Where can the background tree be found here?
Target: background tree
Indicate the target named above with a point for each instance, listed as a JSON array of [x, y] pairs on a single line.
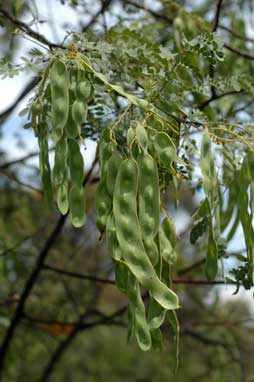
[[165, 75]]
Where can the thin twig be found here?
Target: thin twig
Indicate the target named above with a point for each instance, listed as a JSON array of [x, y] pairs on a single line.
[[27, 30]]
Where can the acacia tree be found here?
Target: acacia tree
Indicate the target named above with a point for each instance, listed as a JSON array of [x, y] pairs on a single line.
[[171, 116]]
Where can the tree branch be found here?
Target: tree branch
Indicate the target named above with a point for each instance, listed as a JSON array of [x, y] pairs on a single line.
[[63, 346], [217, 15], [22, 95], [77, 275], [215, 97], [32, 280], [235, 34], [156, 15], [105, 5], [239, 52], [27, 30]]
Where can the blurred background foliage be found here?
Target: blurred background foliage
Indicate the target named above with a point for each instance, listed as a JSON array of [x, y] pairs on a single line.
[[74, 324]]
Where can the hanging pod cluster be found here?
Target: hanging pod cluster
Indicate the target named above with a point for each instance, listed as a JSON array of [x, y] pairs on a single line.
[[70, 90], [128, 210]]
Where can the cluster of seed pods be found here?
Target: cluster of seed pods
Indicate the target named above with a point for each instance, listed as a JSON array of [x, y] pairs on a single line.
[[70, 91], [128, 205], [128, 210]]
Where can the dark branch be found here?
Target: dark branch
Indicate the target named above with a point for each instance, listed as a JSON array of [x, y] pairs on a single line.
[[28, 287], [105, 5], [79, 275], [239, 52], [215, 97], [27, 30], [217, 15], [21, 160], [22, 95], [13, 178], [156, 15], [63, 346], [235, 34]]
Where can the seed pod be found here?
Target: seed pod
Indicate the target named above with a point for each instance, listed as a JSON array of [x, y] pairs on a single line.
[[142, 137], [167, 235], [156, 314], [113, 245], [59, 99], [44, 163], [149, 204], [149, 197], [79, 112], [129, 235], [62, 197], [137, 307], [76, 163], [83, 88], [60, 166], [77, 205], [130, 136], [113, 165], [165, 149], [103, 203], [121, 276]]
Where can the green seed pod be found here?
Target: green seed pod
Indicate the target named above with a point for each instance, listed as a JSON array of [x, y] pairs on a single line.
[[149, 204], [106, 149], [151, 250], [76, 163], [113, 245], [77, 206], [60, 167], [167, 235], [156, 314], [149, 197], [83, 90], [62, 197], [103, 203], [79, 112], [72, 129], [142, 137], [59, 99], [130, 136], [137, 307], [121, 276], [44, 163], [113, 165], [129, 235], [165, 149]]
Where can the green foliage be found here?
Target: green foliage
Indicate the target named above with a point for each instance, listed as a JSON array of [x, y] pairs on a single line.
[[160, 96]]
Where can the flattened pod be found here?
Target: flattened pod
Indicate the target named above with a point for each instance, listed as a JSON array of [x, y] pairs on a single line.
[[129, 235], [76, 163], [167, 235], [165, 149], [44, 164], [112, 170], [77, 206], [149, 197], [142, 137], [113, 245], [137, 307], [62, 198], [103, 203], [121, 276], [59, 98], [72, 129], [156, 314], [79, 112]]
